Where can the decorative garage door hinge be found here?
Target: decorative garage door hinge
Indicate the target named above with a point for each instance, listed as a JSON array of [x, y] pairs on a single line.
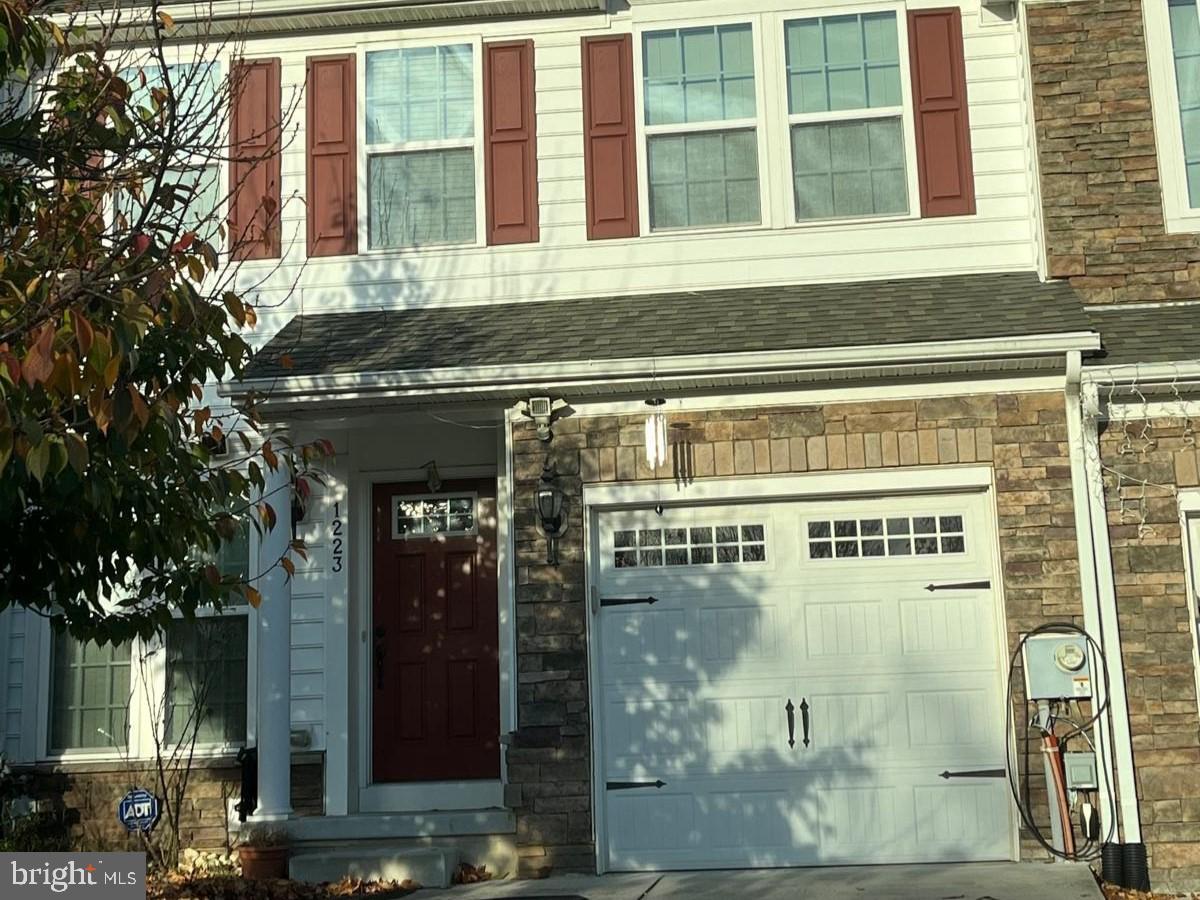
[[960, 586], [627, 601], [631, 785], [976, 773]]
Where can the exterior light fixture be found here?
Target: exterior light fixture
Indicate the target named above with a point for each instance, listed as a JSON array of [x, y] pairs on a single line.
[[551, 509]]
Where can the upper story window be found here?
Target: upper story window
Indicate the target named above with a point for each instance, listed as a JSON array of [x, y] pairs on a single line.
[[193, 178], [701, 126], [845, 111], [420, 146], [1185, 47]]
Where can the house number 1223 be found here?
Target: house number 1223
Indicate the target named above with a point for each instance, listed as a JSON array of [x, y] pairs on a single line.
[[336, 556]]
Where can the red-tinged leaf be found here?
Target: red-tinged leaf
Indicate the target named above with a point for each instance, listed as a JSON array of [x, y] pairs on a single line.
[[266, 512], [111, 371], [184, 242], [288, 566], [212, 575], [327, 446], [268, 454], [13, 366], [141, 243], [303, 489], [39, 359], [84, 334], [140, 410], [253, 597], [299, 549]]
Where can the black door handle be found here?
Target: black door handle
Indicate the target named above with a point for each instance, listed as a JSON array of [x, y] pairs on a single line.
[[791, 717], [804, 718], [380, 652]]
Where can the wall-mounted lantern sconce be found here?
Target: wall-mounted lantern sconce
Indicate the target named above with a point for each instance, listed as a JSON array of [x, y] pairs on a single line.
[[551, 509]]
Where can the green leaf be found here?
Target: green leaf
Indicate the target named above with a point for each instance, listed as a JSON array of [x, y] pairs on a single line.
[[37, 460]]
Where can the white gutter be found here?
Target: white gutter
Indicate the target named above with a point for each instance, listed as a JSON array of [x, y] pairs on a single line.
[[711, 365], [1100, 602], [1143, 373]]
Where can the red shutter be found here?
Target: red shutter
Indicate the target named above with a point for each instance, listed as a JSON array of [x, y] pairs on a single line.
[[939, 80], [609, 156], [254, 196], [332, 156], [510, 151]]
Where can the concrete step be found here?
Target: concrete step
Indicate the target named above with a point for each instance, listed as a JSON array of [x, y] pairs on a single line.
[[431, 867]]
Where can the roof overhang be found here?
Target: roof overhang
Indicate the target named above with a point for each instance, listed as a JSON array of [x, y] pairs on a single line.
[[600, 378], [223, 18]]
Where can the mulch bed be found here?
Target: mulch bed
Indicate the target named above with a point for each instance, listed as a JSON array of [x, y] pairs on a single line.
[[232, 887]]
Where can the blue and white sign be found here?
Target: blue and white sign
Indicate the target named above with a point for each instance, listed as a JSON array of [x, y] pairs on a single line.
[[138, 810]]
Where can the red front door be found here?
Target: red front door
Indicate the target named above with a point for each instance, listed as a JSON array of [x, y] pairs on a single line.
[[435, 667]]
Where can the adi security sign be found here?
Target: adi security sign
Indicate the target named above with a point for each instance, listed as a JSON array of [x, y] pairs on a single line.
[[138, 810]]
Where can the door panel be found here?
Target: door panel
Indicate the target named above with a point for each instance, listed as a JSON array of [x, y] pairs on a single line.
[[895, 682], [435, 666]]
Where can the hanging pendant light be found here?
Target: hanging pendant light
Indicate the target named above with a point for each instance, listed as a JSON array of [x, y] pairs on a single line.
[[656, 433]]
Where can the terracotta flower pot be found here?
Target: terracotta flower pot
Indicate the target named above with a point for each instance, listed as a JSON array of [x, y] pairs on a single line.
[[264, 862]]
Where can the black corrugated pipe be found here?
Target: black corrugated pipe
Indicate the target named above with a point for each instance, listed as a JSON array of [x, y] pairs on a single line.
[[1137, 872], [1112, 864]]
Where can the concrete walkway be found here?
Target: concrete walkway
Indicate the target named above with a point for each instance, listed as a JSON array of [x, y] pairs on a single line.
[[951, 881]]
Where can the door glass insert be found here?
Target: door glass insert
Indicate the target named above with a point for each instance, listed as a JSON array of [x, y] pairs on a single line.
[[415, 517], [698, 546], [884, 537]]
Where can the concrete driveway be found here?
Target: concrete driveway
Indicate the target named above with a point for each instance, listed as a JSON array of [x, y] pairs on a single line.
[[951, 881]]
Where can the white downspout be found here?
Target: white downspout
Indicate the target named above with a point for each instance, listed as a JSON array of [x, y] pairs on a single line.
[[1100, 602]]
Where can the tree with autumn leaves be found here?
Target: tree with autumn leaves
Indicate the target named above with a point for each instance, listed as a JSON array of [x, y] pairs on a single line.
[[121, 304]]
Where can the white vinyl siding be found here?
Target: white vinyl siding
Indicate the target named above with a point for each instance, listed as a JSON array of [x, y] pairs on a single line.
[[420, 146], [846, 116], [1185, 47], [89, 694], [701, 127]]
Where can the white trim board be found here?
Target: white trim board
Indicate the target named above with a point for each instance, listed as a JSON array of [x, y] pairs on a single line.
[[1189, 521], [920, 479]]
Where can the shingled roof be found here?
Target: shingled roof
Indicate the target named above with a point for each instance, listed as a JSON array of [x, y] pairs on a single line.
[[796, 317], [1139, 333]]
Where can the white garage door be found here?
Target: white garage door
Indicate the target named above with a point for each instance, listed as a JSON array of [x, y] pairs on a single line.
[[806, 622]]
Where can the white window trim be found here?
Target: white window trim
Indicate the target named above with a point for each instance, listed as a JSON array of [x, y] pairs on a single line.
[[772, 124], [1189, 520], [1178, 215], [644, 132], [908, 130], [476, 142]]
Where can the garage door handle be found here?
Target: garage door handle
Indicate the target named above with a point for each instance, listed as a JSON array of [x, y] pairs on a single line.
[[804, 718], [975, 773], [791, 717]]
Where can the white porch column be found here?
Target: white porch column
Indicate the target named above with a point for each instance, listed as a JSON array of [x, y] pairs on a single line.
[[274, 658]]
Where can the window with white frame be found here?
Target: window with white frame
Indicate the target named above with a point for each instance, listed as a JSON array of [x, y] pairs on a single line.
[[89, 694], [845, 111], [194, 174], [1184, 18], [206, 661], [701, 126], [206, 678], [420, 146]]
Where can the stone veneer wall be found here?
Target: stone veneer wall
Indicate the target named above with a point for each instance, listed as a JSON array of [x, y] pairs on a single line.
[[88, 794], [1156, 638], [1101, 194], [1023, 437]]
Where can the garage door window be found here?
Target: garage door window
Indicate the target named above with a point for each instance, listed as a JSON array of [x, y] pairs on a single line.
[[700, 545], [885, 537]]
